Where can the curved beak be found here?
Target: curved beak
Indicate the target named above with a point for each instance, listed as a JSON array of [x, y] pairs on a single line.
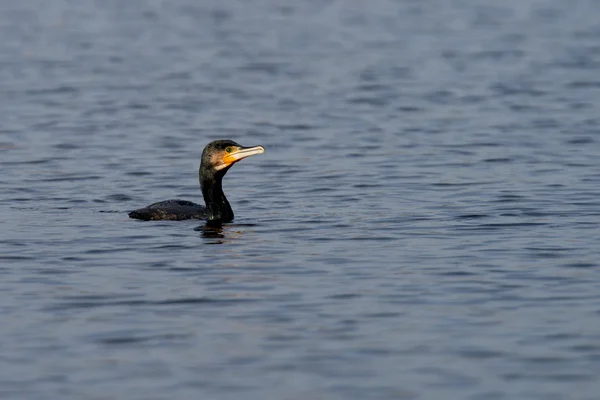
[[239, 153]]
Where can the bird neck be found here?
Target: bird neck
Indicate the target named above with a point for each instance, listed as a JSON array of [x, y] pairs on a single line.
[[218, 208]]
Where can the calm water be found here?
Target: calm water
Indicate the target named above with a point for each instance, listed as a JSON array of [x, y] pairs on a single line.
[[423, 225]]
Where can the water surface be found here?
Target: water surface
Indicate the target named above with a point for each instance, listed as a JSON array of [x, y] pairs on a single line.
[[422, 225]]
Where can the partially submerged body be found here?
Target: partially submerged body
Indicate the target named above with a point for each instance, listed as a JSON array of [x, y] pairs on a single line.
[[173, 210]]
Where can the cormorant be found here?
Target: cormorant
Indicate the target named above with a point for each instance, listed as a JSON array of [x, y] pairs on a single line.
[[218, 156]]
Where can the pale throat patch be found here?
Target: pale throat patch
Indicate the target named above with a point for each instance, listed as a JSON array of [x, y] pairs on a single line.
[[217, 161]]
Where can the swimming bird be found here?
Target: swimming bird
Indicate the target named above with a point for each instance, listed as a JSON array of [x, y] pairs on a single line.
[[217, 157]]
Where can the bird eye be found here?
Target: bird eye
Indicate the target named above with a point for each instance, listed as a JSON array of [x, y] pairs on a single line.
[[228, 149]]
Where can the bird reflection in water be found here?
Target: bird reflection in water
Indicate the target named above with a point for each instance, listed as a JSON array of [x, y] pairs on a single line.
[[222, 234]]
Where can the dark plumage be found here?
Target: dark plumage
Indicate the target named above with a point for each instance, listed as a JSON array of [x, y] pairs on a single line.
[[170, 210], [217, 158]]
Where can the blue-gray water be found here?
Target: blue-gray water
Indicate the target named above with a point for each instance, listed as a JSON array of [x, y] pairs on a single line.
[[424, 223]]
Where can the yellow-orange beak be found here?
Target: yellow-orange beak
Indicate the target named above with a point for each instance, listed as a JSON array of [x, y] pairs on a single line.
[[239, 153]]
